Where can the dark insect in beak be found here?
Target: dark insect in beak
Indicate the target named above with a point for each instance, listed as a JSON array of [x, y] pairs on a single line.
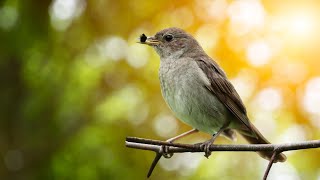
[[143, 38]]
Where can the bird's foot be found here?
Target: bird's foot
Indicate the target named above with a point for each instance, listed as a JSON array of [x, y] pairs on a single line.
[[205, 147]]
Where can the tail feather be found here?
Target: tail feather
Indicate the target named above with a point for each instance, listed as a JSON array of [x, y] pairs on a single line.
[[259, 139], [230, 134]]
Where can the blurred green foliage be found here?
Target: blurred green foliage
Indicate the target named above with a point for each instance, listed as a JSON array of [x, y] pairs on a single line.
[[74, 84]]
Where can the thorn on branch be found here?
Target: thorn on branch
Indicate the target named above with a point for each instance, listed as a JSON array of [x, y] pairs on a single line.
[[154, 163]]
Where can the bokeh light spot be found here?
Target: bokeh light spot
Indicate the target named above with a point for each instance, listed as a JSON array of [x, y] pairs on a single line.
[[286, 71], [139, 114], [269, 99], [62, 12], [14, 160], [8, 17], [295, 133], [138, 55], [301, 25], [207, 36], [113, 47], [119, 103], [165, 125], [64, 9], [244, 83], [181, 162], [245, 16], [258, 53], [311, 97], [218, 9], [182, 17], [92, 56], [265, 122]]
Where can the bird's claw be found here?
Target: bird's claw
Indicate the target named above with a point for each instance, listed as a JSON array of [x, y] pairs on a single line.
[[205, 147]]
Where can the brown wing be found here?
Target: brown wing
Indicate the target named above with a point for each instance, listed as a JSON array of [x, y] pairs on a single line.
[[224, 90]]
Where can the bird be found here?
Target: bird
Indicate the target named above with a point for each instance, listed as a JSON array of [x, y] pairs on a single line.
[[198, 92]]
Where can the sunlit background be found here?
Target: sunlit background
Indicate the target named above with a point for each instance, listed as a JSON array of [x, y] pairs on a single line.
[[74, 84]]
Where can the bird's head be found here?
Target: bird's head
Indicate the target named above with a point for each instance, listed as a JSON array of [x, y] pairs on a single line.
[[172, 42]]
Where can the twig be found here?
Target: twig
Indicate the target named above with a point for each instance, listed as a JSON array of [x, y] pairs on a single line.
[[155, 145], [275, 153], [138, 143]]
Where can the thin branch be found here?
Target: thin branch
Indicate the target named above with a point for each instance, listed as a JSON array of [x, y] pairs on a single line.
[[139, 143], [275, 153], [156, 146]]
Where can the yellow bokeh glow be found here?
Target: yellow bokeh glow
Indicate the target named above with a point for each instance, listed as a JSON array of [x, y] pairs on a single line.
[[301, 25], [259, 53], [246, 15], [311, 99]]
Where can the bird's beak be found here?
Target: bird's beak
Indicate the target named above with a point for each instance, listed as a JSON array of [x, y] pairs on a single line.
[[151, 41]]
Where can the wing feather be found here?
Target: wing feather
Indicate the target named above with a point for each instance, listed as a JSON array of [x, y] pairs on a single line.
[[222, 88]]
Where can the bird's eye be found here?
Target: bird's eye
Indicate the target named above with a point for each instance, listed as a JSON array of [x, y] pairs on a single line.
[[168, 37]]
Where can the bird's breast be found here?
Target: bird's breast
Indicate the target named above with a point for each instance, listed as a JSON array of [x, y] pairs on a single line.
[[183, 88]]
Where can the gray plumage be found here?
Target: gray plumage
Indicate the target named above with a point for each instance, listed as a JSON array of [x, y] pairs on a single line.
[[197, 90]]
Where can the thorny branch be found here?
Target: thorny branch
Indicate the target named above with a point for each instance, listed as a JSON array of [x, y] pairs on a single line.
[[155, 145]]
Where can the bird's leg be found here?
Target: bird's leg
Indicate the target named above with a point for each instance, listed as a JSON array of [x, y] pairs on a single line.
[[205, 146], [182, 135], [164, 149]]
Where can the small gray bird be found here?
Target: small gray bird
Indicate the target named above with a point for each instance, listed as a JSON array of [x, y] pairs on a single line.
[[198, 92]]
